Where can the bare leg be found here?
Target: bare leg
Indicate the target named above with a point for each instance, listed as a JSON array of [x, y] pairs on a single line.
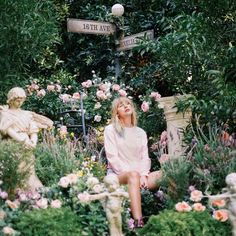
[[132, 178], [153, 178]]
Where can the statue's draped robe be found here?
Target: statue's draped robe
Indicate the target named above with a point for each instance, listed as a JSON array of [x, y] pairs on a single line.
[[24, 123]]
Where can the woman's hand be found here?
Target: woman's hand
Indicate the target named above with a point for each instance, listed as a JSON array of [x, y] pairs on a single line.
[[144, 182]]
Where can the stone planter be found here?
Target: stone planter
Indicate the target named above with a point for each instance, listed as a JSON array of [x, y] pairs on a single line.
[[176, 123]]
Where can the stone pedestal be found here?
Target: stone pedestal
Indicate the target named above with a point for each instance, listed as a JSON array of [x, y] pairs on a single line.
[[176, 123]]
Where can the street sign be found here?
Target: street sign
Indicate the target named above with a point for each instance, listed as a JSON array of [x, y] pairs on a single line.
[[131, 41], [89, 27]]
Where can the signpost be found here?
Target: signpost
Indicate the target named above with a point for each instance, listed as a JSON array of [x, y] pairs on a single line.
[[131, 41], [89, 27], [105, 28]]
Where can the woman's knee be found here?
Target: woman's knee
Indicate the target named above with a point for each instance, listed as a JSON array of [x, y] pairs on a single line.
[[133, 177]]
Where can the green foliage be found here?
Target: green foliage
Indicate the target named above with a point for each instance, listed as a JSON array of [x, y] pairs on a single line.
[[152, 202], [27, 28], [93, 219], [212, 159], [55, 159], [15, 163], [51, 222], [171, 223], [176, 179]]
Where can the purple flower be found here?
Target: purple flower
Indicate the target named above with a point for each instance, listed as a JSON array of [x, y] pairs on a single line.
[[160, 195], [191, 188], [131, 223]]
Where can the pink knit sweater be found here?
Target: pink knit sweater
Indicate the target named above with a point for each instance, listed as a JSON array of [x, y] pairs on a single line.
[[127, 152]]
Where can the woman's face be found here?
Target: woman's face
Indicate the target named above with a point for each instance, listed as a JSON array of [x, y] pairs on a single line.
[[124, 109], [17, 102]]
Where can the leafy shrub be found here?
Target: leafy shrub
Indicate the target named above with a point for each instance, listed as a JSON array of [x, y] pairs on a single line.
[[55, 159], [12, 155], [51, 222], [171, 223], [212, 159], [152, 202], [175, 179]]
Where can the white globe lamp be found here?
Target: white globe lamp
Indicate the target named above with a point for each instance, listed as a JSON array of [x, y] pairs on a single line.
[[117, 10]]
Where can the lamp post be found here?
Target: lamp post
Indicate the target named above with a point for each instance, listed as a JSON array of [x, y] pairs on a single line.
[[117, 10]]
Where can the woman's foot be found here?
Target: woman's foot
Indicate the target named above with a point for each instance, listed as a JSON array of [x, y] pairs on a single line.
[[138, 223]]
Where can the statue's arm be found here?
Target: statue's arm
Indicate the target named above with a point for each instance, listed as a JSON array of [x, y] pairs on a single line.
[[98, 196], [20, 137], [120, 193], [34, 139]]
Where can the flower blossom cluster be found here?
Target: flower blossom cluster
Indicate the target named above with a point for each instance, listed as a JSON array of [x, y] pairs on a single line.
[[196, 196]]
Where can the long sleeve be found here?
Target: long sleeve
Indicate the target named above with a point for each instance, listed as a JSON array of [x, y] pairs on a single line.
[[111, 149], [145, 160]]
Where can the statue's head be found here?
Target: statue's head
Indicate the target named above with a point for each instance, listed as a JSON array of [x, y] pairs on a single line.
[[111, 181], [15, 93], [231, 179]]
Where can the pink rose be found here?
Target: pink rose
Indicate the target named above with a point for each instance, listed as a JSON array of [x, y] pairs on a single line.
[[42, 203], [83, 197], [122, 92], [103, 87], [58, 87], [64, 182], [101, 95], [41, 93], [116, 87], [33, 87], [8, 230], [196, 196], [145, 106], [23, 197], [73, 178], [56, 204], [34, 195], [221, 215], [97, 118], [51, 87], [97, 105], [155, 95], [218, 203], [183, 207], [76, 96], [4, 195], [198, 207], [65, 97], [87, 84], [12, 205]]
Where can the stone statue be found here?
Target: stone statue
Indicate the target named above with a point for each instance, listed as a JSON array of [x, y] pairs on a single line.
[[112, 203], [22, 126], [230, 195]]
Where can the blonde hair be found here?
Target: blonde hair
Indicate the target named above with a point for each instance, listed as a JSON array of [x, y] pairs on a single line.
[[114, 117], [15, 93]]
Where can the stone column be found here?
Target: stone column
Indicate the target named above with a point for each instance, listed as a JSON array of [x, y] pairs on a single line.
[[176, 123]]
